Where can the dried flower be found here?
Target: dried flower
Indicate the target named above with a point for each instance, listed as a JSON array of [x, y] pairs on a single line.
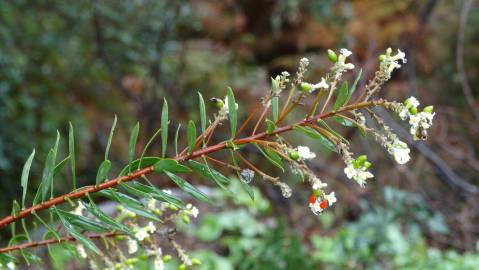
[[247, 175]]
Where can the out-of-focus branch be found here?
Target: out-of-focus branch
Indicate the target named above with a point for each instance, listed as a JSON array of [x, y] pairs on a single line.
[[466, 88]]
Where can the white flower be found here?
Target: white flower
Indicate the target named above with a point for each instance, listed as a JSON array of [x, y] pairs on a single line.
[[167, 191], [390, 62], [322, 84], [151, 204], [141, 234], [400, 151], [317, 184], [192, 210], [81, 251], [331, 198], [345, 52], [150, 228], [11, 266], [304, 153], [413, 102], [315, 208], [360, 175], [79, 209], [420, 122], [132, 245], [158, 263]]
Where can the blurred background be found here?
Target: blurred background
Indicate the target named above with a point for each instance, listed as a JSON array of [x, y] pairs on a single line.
[[85, 61]]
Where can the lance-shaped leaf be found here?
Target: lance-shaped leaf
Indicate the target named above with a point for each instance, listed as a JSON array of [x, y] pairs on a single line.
[[128, 202], [132, 143], [187, 187], [233, 117], [110, 138], [271, 157], [59, 166], [158, 194], [150, 141], [25, 174], [71, 151], [83, 222], [170, 165], [342, 96], [191, 136], [103, 171], [145, 162], [177, 134], [202, 112], [317, 136], [209, 173], [347, 123], [100, 215], [164, 127], [353, 87], [47, 178], [77, 235]]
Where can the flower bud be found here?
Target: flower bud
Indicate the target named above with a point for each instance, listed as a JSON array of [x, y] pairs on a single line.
[[413, 110], [195, 261], [131, 261], [332, 56], [367, 164], [361, 159], [186, 219], [172, 207], [294, 155], [382, 57], [182, 267], [306, 87], [217, 102], [428, 109], [167, 258]]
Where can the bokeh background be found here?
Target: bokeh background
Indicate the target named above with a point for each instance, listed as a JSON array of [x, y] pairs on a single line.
[[85, 61]]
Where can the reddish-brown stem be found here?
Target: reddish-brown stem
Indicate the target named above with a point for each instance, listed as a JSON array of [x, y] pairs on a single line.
[[180, 158], [55, 241]]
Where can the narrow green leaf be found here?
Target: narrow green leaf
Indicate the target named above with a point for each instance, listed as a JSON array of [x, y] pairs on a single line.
[[47, 178], [128, 202], [145, 162], [6, 258], [77, 235], [100, 215], [59, 166], [170, 165], [71, 151], [15, 210], [270, 126], [25, 174], [158, 194], [348, 123], [273, 159], [83, 222], [342, 96], [177, 134], [164, 127], [353, 87], [316, 135], [103, 171], [275, 108], [132, 143], [110, 138], [209, 173], [191, 136], [187, 187], [332, 131], [147, 146], [202, 112], [139, 210], [232, 112]]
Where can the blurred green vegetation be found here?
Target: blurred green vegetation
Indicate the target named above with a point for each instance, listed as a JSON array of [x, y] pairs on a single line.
[[85, 61]]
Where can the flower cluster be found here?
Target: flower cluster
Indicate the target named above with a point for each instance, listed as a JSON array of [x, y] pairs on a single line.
[[301, 153], [308, 87], [390, 62], [340, 65], [317, 204], [357, 170], [420, 121]]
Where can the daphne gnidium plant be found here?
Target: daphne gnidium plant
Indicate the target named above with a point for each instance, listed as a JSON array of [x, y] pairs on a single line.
[[145, 216]]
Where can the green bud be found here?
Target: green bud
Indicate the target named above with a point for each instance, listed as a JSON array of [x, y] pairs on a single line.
[[367, 164], [195, 261], [217, 102], [428, 109], [382, 57], [306, 87], [294, 155], [332, 56], [186, 219], [120, 237], [157, 212], [413, 110], [167, 258], [316, 192], [131, 261], [182, 267], [118, 266], [361, 159], [172, 207]]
